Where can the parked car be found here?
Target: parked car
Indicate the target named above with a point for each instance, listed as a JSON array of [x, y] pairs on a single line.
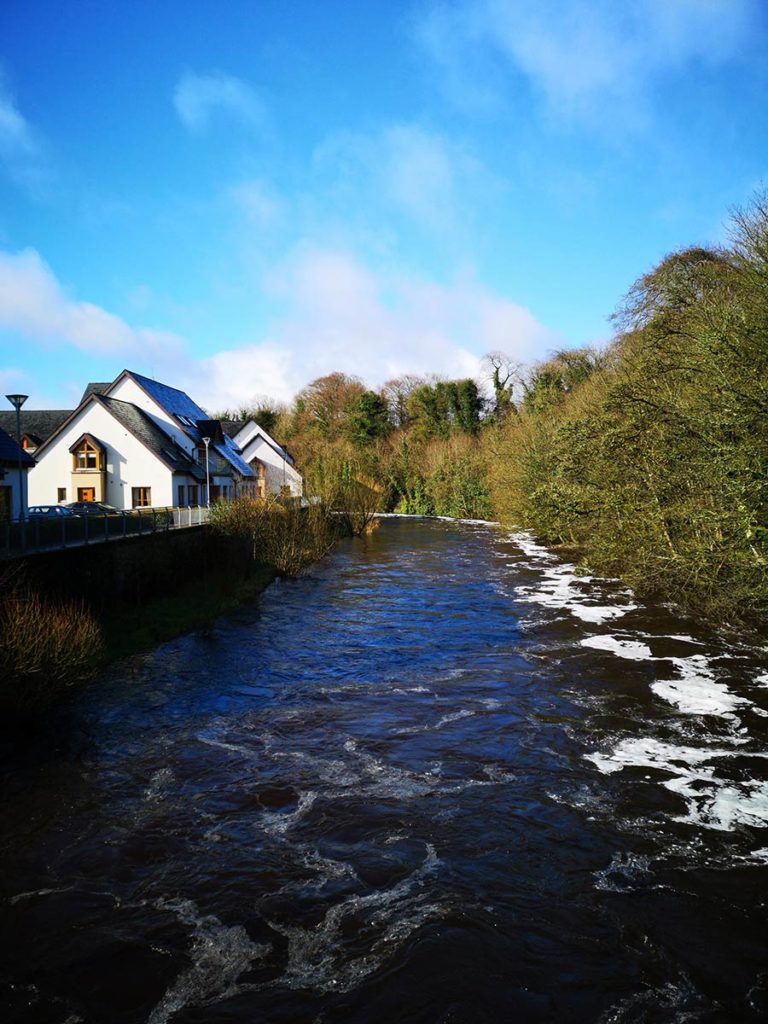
[[50, 512], [93, 508]]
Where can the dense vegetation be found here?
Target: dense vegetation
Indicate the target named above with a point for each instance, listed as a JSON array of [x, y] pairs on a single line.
[[649, 457]]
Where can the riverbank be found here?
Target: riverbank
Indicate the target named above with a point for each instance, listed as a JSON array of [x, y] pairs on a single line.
[[133, 629]]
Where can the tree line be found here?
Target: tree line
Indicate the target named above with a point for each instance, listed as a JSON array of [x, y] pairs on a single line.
[[648, 457]]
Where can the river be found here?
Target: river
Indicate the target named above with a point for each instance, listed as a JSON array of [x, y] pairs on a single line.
[[442, 778]]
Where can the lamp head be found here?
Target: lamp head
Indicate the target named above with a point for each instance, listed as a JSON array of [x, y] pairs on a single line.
[[17, 400]]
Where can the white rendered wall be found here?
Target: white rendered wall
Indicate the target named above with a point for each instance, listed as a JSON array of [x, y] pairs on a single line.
[[277, 471], [129, 463]]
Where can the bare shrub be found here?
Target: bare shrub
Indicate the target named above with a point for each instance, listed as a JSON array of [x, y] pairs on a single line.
[[285, 535]]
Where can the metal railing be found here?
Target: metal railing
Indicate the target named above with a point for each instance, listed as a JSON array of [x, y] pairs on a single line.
[[44, 534]]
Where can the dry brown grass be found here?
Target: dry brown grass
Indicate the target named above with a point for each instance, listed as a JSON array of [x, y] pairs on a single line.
[[46, 648]]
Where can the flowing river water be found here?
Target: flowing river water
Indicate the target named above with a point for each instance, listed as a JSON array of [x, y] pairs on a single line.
[[443, 778]]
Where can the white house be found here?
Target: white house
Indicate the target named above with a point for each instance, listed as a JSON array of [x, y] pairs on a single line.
[[272, 465], [137, 443], [13, 492]]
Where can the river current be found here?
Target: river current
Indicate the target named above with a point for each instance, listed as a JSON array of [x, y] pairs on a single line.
[[442, 778]]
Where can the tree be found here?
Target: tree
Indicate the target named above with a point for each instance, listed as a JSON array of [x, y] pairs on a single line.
[[368, 420], [504, 375]]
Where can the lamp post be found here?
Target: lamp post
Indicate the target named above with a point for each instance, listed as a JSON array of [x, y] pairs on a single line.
[[17, 401], [206, 442]]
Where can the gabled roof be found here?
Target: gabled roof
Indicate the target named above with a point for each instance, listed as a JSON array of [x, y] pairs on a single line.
[[36, 424], [9, 451], [94, 441], [188, 415], [233, 427]]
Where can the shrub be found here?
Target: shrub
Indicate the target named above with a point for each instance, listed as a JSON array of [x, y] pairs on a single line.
[[286, 536]]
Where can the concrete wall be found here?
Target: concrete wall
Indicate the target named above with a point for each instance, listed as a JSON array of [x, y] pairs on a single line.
[[137, 569]]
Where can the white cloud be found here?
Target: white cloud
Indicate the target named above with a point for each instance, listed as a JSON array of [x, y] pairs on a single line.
[[429, 177], [21, 150], [257, 202], [345, 317], [197, 97], [34, 304], [579, 56]]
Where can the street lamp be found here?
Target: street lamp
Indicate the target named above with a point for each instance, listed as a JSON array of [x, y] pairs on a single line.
[[17, 401], [206, 442]]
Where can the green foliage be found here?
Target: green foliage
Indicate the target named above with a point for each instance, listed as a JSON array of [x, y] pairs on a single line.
[[654, 458], [368, 420]]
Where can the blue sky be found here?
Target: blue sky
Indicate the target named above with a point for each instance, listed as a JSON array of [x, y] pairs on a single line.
[[237, 198]]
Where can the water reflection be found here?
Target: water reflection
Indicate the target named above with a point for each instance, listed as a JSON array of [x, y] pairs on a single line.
[[444, 778]]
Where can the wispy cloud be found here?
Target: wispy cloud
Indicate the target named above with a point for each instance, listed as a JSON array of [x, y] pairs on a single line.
[[22, 152], [578, 57], [34, 305], [197, 98], [345, 316], [428, 177]]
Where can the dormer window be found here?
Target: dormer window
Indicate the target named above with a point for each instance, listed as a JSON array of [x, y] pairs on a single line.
[[86, 456]]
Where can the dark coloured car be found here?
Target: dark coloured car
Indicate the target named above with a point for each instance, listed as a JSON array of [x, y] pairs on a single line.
[[93, 508], [50, 512]]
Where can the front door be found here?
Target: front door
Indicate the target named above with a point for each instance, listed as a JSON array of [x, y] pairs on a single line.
[[86, 494]]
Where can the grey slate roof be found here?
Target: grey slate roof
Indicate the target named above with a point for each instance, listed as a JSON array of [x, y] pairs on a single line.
[[95, 388], [9, 451], [37, 424], [182, 408], [147, 431]]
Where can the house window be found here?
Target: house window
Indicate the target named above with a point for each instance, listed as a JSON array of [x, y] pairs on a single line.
[[141, 497], [192, 491], [61, 494], [181, 495], [86, 456]]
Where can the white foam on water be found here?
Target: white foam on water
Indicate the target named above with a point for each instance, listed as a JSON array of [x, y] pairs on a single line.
[[157, 783], [711, 801], [19, 897], [633, 650], [528, 546], [696, 692], [317, 958], [561, 588], [453, 716], [625, 873], [276, 823], [647, 752], [762, 679], [219, 955], [598, 614]]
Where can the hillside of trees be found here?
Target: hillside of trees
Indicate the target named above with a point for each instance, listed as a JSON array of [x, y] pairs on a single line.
[[649, 457]]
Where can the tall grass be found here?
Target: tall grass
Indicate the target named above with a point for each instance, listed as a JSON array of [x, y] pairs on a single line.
[[46, 648]]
